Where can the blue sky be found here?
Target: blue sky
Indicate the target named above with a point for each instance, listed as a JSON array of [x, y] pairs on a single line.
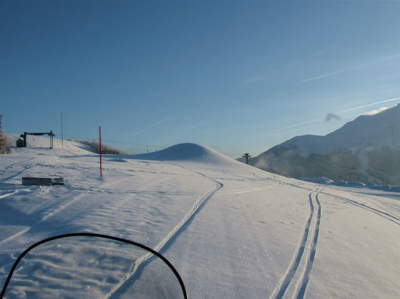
[[238, 76]]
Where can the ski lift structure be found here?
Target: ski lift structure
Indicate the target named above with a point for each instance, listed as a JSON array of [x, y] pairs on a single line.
[[22, 142]]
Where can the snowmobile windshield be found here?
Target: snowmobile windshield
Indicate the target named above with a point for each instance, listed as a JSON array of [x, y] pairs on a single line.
[[92, 266]]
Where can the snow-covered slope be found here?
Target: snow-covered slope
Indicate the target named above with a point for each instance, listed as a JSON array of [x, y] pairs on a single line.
[[366, 150], [231, 230], [188, 152], [366, 131]]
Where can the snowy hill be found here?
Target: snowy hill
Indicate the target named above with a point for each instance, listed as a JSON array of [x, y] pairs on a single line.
[[365, 150], [231, 230], [189, 152]]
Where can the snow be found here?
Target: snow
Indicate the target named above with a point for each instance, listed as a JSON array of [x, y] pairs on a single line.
[[363, 133], [231, 230], [365, 149]]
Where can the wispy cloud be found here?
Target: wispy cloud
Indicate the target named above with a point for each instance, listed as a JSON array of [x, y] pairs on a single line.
[[152, 126], [249, 81], [288, 66], [301, 126], [371, 104], [291, 127], [294, 63], [221, 114], [324, 76], [310, 123], [355, 67], [197, 125], [244, 83]]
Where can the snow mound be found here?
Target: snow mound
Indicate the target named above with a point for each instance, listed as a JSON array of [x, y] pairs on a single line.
[[187, 152]]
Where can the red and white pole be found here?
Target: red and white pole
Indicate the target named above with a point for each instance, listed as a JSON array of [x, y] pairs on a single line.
[[100, 149]]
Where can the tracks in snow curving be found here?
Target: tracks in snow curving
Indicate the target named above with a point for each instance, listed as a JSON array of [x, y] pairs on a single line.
[[307, 244], [181, 226], [43, 219], [378, 212], [302, 286], [52, 212]]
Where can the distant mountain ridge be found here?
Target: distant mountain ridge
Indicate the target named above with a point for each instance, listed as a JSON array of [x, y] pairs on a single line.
[[366, 150]]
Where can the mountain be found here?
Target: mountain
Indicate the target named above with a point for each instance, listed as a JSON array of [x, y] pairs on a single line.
[[366, 150]]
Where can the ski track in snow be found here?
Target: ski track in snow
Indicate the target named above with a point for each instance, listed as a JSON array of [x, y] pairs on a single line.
[[382, 204], [43, 219], [10, 166], [3, 180], [176, 230], [301, 288], [180, 226], [380, 213], [256, 178], [298, 267], [308, 238], [9, 194], [53, 211]]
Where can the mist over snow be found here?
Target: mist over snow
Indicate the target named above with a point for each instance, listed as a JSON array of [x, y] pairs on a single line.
[[231, 230], [365, 150]]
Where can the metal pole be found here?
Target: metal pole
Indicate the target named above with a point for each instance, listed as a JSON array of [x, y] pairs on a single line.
[[101, 163]]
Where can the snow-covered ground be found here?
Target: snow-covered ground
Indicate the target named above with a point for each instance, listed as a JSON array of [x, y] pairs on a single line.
[[231, 230]]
